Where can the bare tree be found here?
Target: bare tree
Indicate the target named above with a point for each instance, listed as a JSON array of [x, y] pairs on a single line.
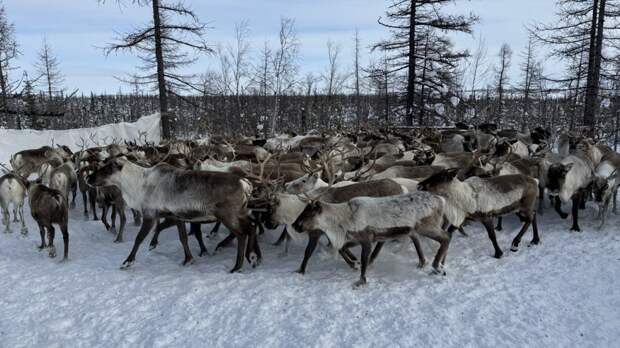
[[285, 67], [356, 76], [529, 69], [165, 45], [8, 52], [48, 68], [505, 59]]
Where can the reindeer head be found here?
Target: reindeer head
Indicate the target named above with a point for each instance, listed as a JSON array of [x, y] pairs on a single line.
[[308, 219], [557, 176], [303, 184], [437, 181], [107, 174]]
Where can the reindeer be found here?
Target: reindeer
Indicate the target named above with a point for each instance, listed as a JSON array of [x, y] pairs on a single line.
[[284, 208], [605, 184], [185, 195], [568, 180], [482, 199], [28, 161], [377, 219], [64, 179], [49, 206], [111, 196], [12, 192]]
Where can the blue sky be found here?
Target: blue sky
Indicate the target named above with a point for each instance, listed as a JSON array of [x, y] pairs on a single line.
[[77, 29]]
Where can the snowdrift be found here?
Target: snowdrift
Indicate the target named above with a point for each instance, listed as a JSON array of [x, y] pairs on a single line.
[[12, 140]]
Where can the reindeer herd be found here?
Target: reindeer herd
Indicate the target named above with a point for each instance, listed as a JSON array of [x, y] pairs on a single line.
[[355, 189]]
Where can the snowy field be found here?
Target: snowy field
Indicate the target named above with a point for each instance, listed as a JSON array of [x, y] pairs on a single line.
[[564, 292]]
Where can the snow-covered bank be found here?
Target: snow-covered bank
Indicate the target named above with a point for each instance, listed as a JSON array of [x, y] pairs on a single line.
[[564, 292], [12, 140]]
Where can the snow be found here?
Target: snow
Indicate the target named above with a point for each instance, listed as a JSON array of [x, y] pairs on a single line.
[[564, 292]]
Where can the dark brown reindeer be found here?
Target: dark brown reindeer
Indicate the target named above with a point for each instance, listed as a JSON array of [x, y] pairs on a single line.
[[185, 195], [48, 207]]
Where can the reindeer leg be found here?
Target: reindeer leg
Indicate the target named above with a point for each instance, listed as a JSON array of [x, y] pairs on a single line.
[[168, 222], [517, 239], [419, 250], [15, 214], [225, 242], [42, 232], [104, 217], [488, 224], [536, 238], [584, 197], [313, 240], [252, 255], [147, 226], [119, 235], [541, 199], [92, 196], [557, 204], [74, 193], [499, 224], [65, 240], [345, 254], [85, 199], [137, 218], [214, 230], [366, 246], [194, 227], [375, 252], [21, 216], [615, 210], [440, 257], [183, 238], [282, 237], [113, 227], [576, 202], [6, 219], [50, 237]]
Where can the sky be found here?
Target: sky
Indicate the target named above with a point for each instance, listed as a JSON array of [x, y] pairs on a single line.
[[78, 29]]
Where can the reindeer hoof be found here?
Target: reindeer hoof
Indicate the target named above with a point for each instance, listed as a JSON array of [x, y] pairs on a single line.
[[438, 271], [52, 252], [575, 229], [564, 216], [235, 270], [514, 248], [356, 265], [120, 240], [300, 271], [360, 284], [203, 252], [112, 229], [534, 242], [422, 264], [499, 254], [127, 264], [189, 261], [152, 246], [253, 259]]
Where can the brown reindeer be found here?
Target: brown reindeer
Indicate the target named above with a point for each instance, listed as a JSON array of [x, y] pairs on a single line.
[[49, 206]]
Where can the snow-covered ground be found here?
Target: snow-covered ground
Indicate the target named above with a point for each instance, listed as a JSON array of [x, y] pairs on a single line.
[[564, 292]]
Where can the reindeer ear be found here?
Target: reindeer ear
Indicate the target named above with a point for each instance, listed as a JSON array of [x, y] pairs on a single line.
[[452, 172]]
